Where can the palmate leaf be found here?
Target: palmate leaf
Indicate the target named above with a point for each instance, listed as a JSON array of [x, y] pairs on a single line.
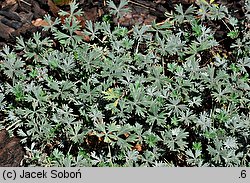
[[204, 122], [124, 145], [101, 127], [181, 15], [194, 158], [151, 138], [68, 86], [187, 117], [76, 132], [95, 114], [243, 63], [140, 33], [68, 63], [195, 101], [92, 29], [61, 36], [13, 67], [221, 95], [120, 10], [108, 131], [131, 157], [156, 115], [175, 106], [175, 139], [113, 128], [218, 13], [54, 85], [111, 94], [231, 143], [159, 119], [88, 93], [64, 115], [174, 45], [229, 155], [38, 94]]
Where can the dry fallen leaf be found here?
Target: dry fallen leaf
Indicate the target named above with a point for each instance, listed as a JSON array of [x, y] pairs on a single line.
[[8, 3], [85, 37], [39, 22], [138, 147], [126, 135]]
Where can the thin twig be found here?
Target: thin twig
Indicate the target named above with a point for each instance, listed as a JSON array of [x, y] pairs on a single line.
[[158, 24], [19, 2], [142, 5]]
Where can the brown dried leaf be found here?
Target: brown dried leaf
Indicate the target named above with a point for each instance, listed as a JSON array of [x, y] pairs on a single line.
[[39, 22], [8, 3], [138, 147], [85, 37], [126, 135]]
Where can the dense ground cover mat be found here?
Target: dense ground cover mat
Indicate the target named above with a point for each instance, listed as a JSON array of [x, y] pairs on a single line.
[[173, 93]]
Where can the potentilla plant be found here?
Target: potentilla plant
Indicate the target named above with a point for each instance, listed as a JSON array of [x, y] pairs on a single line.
[[166, 94]]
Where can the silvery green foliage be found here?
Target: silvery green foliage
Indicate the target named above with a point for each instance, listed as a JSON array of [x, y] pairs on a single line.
[[149, 97]]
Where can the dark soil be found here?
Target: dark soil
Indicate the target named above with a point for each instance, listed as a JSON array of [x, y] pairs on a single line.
[[11, 152]]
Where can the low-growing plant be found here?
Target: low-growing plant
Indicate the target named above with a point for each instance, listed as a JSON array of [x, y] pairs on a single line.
[[157, 95]]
